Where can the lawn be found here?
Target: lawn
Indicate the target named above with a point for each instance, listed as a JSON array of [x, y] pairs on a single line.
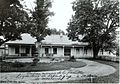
[[26, 67], [112, 78], [64, 65]]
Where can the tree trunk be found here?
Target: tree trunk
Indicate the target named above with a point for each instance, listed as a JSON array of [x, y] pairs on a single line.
[[96, 49]]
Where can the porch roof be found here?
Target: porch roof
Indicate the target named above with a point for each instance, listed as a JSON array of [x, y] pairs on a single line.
[[61, 40], [26, 39]]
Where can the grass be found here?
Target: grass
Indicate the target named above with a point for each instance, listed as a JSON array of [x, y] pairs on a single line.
[[112, 78], [26, 67]]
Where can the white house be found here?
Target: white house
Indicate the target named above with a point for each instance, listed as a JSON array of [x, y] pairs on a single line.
[[53, 45], [24, 47], [61, 46]]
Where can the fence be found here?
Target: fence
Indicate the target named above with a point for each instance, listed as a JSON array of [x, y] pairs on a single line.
[[110, 58]]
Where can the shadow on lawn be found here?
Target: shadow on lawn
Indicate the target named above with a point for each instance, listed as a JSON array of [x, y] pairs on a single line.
[[27, 67]]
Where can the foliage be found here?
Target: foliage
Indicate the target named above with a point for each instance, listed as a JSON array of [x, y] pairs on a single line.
[[97, 20], [57, 32], [39, 19], [12, 20], [117, 51], [35, 61], [72, 59], [18, 64]]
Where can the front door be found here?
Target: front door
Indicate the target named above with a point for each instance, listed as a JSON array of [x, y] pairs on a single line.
[[67, 51]]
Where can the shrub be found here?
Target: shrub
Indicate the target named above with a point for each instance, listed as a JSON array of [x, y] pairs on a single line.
[[18, 64], [35, 61], [72, 59]]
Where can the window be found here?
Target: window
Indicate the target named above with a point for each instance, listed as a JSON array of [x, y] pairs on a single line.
[[67, 51], [54, 50], [46, 51], [27, 50], [16, 50], [77, 49]]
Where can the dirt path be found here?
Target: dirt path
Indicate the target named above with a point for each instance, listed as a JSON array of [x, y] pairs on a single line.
[[93, 68]]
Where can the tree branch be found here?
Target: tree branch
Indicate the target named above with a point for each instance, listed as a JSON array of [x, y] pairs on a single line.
[[96, 5], [4, 41], [108, 23]]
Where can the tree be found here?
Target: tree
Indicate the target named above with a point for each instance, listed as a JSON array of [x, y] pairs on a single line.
[[97, 21], [117, 50], [39, 19], [57, 32], [12, 20]]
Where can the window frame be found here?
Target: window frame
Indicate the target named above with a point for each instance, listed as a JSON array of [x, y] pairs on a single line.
[[17, 51], [67, 51], [46, 50], [54, 50], [27, 50]]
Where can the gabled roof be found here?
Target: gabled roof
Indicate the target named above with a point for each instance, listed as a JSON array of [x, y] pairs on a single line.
[[48, 40], [60, 40], [26, 39]]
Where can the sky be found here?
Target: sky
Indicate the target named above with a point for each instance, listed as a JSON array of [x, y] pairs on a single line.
[[62, 10]]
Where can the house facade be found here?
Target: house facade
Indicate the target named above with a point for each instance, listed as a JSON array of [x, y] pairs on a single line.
[[51, 46], [61, 46], [24, 47]]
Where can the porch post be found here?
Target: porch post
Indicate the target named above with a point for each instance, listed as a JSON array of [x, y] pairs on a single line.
[[30, 50], [8, 50], [73, 51], [19, 50], [83, 51], [41, 51], [51, 50], [4, 50], [63, 51]]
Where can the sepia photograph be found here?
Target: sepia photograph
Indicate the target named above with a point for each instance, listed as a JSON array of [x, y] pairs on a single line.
[[59, 41]]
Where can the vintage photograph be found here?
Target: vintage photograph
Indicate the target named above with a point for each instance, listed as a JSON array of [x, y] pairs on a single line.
[[59, 41]]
